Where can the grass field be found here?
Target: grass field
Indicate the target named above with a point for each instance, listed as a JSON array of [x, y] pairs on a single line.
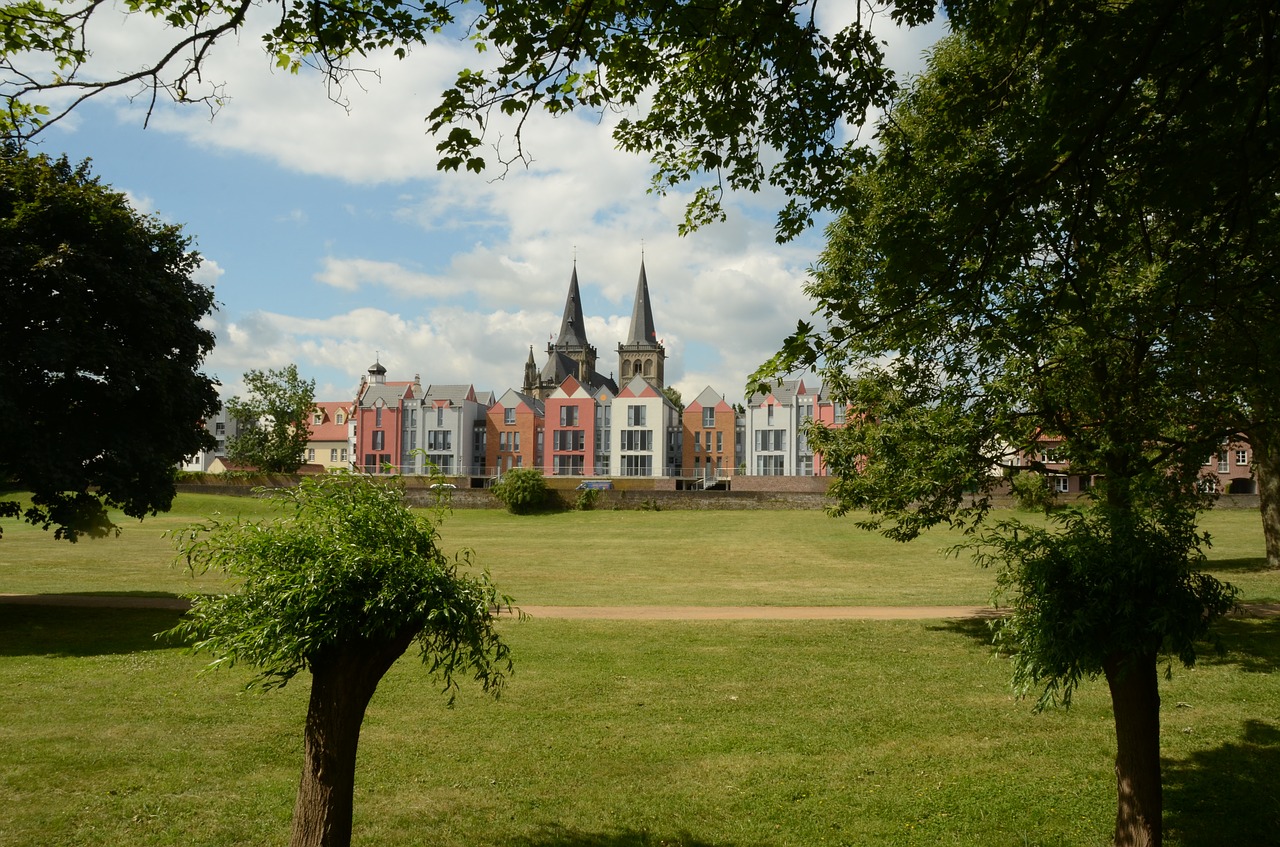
[[620, 558], [625, 734]]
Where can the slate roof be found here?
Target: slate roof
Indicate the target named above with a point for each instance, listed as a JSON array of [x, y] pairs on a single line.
[[642, 330]]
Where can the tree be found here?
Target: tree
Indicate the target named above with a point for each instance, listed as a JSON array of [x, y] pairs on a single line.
[[725, 84], [673, 394], [340, 584], [979, 294], [101, 394], [274, 417]]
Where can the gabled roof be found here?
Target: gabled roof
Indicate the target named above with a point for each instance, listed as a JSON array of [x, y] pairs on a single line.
[[391, 393], [514, 399], [330, 429], [638, 386], [709, 397], [452, 394]]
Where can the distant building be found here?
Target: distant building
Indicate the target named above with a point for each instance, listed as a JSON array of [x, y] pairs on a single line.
[[711, 448], [513, 433], [383, 411], [331, 427]]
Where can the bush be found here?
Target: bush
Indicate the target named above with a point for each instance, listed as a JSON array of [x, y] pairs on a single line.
[[1031, 491], [521, 490], [587, 499]]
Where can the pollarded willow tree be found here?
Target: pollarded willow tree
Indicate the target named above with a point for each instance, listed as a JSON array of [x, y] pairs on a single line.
[[340, 585], [985, 291]]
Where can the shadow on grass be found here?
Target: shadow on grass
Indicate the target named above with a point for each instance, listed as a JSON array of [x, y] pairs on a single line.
[[77, 631], [1252, 644], [1227, 795], [556, 836], [1246, 565], [977, 629]]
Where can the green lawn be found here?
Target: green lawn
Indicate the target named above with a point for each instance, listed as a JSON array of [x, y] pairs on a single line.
[[625, 734], [620, 558], [700, 734]]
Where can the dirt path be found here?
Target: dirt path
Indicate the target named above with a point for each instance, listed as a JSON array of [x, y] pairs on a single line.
[[626, 613]]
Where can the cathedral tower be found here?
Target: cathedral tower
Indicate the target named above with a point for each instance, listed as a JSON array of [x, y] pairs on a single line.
[[642, 354]]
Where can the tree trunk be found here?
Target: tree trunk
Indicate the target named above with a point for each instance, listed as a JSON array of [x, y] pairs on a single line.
[[343, 680], [1135, 700], [1266, 467]]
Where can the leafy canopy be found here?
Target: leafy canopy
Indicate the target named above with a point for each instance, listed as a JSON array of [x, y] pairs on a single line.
[[981, 294], [521, 490], [346, 561], [730, 93], [273, 419], [101, 394]]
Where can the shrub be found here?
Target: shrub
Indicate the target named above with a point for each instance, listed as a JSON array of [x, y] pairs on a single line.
[[1031, 491], [521, 490], [587, 499]]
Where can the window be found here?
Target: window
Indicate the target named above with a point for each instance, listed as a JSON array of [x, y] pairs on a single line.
[[343, 454], [773, 440], [769, 414], [439, 439], [804, 465], [709, 417], [1223, 465], [637, 439], [1242, 457], [839, 412], [502, 442], [370, 463], [333, 454], [317, 418], [311, 454], [806, 410], [442, 461], [769, 465], [219, 428], [568, 466], [377, 414], [637, 466], [635, 415], [440, 416], [340, 418], [1061, 484], [509, 416], [568, 439], [379, 440], [515, 442], [719, 442], [697, 441], [568, 416]]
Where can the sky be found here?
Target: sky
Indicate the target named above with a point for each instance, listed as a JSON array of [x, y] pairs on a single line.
[[332, 241]]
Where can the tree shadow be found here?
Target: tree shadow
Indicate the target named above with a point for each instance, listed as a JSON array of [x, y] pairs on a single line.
[[1227, 795], [1252, 644], [76, 631], [557, 836], [1241, 565], [976, 629]]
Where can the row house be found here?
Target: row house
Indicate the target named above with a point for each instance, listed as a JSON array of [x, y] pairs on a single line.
[[381, 411], [331, 427], [223, 428], [645, 437], [712, 438], [513, 433], [578, 421], [776, 444], [444, 431], [1228, 471]]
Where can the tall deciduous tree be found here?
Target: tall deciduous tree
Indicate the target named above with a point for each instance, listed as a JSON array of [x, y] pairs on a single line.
[[101, 394], [983, 293], [273, 418], [340, 585]]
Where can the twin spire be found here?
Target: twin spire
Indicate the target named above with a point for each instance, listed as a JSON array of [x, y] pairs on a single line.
[[573, 328]]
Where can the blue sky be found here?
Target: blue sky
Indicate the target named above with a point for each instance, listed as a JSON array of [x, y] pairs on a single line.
[[330, 238]]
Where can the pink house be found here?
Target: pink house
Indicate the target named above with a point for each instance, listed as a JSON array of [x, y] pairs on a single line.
[[572, 430], [380, 420]]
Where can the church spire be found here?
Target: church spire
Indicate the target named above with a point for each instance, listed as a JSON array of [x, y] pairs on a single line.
[[642, 330], [573, 329]]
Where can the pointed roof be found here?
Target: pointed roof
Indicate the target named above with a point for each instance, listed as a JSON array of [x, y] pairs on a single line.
[[573, 329], [642, 330], [709, 398]]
